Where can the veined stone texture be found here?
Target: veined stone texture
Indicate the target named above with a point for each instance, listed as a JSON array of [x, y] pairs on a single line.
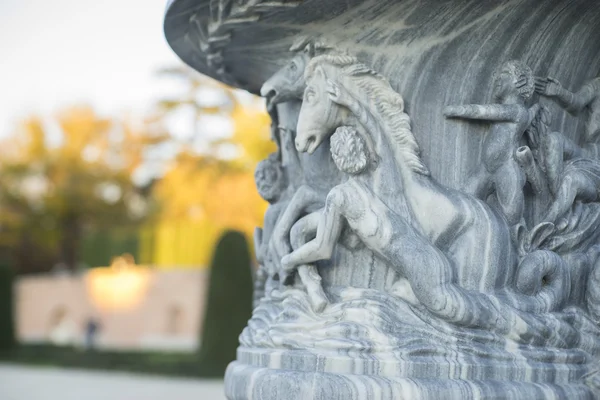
[[434, 228]]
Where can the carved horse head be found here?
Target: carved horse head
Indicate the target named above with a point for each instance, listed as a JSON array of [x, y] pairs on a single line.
[[288, 83], [342, 91], [320, 115]]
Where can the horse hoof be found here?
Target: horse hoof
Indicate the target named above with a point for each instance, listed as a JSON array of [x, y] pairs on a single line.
[[318, 301]]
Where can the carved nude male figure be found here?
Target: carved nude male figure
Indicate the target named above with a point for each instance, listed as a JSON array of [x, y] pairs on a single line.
[[573, 171], [513, 86], [586, 100]]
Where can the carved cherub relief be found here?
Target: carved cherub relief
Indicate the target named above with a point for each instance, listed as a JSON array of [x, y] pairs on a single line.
[[513, 87], [273, 186], [573, 171], [271, 183], [556, 146]]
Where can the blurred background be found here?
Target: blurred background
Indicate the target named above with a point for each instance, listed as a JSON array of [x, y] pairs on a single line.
[[127, 196]]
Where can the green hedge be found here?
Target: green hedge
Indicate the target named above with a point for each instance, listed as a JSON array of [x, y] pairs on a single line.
[[7, 326], [170, 364], [228, 308], [229, 303]]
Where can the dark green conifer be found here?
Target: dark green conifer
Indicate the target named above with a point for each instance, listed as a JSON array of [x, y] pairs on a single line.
[[229, 304], [7, 328]]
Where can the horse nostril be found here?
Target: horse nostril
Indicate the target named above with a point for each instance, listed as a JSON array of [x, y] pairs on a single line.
[[268, 93]]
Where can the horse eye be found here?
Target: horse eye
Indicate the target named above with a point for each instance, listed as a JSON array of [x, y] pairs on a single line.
[[293, 67]]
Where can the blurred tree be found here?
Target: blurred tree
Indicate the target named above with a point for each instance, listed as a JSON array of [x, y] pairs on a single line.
[[7, 327], [64, 176], [229, 304], [248, 139], [68, 181], [209, 187]]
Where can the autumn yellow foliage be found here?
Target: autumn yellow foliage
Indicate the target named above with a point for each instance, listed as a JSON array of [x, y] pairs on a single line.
[[201, 196], [64, 175], [72, 174]]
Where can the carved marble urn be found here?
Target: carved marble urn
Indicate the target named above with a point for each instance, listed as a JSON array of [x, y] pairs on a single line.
[[434, 227]]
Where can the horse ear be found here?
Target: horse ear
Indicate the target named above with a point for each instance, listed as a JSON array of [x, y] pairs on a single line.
[[333, 89], [319, 72]]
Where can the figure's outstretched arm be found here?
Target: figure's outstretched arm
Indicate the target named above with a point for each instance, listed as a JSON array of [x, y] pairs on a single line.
[[585, 96], [572, 102], [328, 233], [487, 112]]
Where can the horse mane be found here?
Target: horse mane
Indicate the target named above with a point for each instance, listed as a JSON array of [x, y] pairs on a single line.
[[386, 104], [310, 46]]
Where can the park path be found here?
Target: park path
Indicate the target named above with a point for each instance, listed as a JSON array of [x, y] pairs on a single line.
[[27, 383]]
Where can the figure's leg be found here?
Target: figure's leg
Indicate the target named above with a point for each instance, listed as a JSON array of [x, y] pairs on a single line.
[[557, 148], [508, 183], [478, 184], [572, 187], [302, 231], [571, 149]]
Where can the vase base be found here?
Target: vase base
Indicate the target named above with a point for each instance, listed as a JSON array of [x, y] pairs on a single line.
[[244, 382]]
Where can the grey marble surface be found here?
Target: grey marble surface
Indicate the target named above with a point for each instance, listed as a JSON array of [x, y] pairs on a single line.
[[434, 227]]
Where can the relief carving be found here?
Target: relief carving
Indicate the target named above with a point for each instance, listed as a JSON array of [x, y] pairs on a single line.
[[422, 239], [508, 268], [513, 87]]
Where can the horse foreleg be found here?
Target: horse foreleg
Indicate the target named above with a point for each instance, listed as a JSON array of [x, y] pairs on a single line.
[[302, 231], [509, 181], [279, 244], [328, 232]]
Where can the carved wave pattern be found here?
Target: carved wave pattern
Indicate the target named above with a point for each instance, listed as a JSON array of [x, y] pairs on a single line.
[[381, 325]]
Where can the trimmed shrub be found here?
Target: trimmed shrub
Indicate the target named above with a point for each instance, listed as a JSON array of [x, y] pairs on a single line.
[[229, 304], [7, 327]]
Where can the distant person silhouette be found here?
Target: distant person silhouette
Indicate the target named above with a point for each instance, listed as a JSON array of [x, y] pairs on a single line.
[[91, 331]]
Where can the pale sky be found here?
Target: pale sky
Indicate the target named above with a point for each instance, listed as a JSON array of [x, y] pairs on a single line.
[[56, 53]]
